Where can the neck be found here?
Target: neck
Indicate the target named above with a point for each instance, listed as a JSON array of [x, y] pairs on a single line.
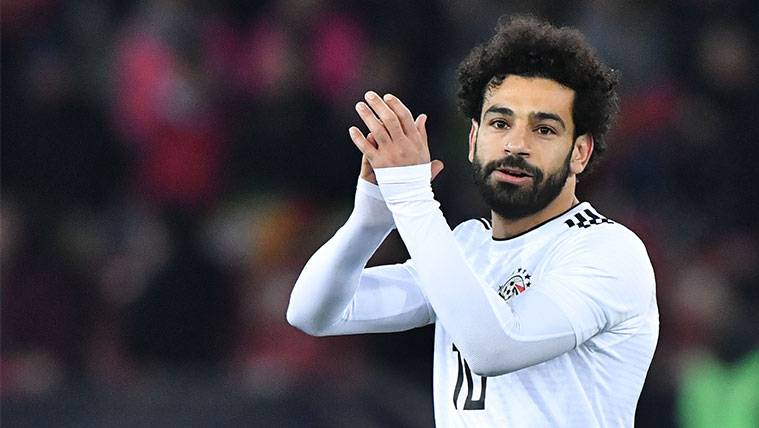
[[506, 228]]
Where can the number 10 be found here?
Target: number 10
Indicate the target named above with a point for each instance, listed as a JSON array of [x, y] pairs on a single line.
[[469, 404]]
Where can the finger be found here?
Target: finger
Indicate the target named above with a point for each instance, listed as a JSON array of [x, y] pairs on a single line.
[[370, 139], [367, 172], [402, 112], [421, 125], [360, 141], [385, 114], [376, 127], [436, 166]]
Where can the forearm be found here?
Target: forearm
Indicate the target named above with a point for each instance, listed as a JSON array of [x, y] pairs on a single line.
[[486, 331], [328, 282]]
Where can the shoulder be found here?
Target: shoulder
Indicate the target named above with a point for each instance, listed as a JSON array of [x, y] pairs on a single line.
[[474, 225], [602, 248], [605, 261], [589, 230], [473, 233]]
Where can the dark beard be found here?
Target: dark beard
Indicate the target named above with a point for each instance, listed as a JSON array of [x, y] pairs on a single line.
[[514, 202]]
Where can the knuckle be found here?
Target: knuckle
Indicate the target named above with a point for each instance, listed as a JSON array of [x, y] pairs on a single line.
[[382, 136], [391, 120]]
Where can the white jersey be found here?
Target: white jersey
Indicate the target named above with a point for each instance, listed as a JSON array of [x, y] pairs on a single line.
[[599, 381], [555, 327]]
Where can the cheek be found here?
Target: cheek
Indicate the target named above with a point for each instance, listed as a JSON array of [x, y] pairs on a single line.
[[562, 159], [485, 148], [557, 161], [548, 162], [484, 156]]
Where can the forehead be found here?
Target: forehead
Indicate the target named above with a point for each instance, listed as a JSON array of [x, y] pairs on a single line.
[[525, 95]]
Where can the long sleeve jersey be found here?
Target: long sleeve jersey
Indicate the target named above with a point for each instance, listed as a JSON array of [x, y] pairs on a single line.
[[554, 327]]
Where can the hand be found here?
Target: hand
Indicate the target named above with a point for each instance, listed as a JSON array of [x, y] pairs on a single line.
[[367, 172], [395, 138]]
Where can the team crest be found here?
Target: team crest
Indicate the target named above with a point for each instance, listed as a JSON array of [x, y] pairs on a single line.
[[515, 285]]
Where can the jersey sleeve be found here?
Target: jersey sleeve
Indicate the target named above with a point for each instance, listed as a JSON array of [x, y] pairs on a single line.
[[495, 337], [335, 294], [386, 300], [601, 280]]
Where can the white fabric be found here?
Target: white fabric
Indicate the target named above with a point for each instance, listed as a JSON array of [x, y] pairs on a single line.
[[571, 350], [334, 296]]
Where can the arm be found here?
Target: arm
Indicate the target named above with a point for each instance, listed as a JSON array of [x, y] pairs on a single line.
[[494, 336], [599, 281], [335, 295]]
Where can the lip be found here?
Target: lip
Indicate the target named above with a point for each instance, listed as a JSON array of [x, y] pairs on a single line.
[[504, 176], [515, 171]]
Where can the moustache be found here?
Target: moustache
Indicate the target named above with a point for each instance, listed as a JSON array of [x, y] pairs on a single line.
[[512, 161]]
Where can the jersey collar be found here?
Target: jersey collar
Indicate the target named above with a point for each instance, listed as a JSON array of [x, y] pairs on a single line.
[[547, 228]]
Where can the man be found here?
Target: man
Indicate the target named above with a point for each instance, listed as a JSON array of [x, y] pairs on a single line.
[[545, 315]]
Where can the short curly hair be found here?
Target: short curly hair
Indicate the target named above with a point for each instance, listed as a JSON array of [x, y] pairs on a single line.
[[525, 46]]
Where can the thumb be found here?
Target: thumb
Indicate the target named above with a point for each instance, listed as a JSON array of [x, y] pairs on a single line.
[[436, 166]]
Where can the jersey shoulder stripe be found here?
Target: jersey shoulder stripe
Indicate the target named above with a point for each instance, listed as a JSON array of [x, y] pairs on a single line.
[[485, 223], [587, 218], [474, 228]]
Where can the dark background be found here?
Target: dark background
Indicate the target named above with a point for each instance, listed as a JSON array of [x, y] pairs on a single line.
[[169, 166]]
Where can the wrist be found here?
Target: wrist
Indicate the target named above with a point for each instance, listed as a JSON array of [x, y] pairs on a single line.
[[404, 174], [369, 189], [369, 209], [406, 183]]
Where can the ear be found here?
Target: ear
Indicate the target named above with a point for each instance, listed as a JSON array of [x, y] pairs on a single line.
[[581, 153], [472, 139]]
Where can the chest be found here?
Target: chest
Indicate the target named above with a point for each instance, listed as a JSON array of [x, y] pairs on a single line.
[[508, 270]]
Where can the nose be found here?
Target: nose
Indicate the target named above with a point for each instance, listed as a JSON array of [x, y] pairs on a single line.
[[517, 141]]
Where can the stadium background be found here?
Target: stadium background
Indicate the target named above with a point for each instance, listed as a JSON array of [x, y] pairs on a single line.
[[168, 167]]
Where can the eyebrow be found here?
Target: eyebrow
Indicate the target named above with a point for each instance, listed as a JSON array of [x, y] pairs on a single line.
[[536, 115], [549, 116], [499, 110]]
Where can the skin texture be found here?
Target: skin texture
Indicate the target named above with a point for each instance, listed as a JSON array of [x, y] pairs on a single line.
[[394, 138], [530, 118], [531, 133]]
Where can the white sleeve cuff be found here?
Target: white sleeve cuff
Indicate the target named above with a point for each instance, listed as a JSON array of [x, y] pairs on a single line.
[[369, 189], [403, 174], [405, 183], [369, 208]]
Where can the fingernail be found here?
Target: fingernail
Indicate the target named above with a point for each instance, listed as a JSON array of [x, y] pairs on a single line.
[[388, 97], [360, 106], [371, 95]]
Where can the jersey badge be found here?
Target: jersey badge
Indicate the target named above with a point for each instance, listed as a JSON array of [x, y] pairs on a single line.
[[515, 285]]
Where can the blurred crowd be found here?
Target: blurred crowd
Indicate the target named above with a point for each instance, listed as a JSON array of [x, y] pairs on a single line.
[[168, 167]]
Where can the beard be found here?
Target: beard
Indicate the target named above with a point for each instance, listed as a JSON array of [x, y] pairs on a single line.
[[511, 201]]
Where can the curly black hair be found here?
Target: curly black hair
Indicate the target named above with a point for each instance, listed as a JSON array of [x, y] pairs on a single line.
[[528, 47]]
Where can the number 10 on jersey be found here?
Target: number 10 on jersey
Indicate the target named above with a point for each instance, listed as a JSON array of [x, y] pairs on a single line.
[[464, 371]]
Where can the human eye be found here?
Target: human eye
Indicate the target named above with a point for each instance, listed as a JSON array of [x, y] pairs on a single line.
[[499, 124], [545, 130]]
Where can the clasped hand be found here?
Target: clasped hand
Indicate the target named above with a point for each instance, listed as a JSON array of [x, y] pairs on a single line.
[[395, 138]]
